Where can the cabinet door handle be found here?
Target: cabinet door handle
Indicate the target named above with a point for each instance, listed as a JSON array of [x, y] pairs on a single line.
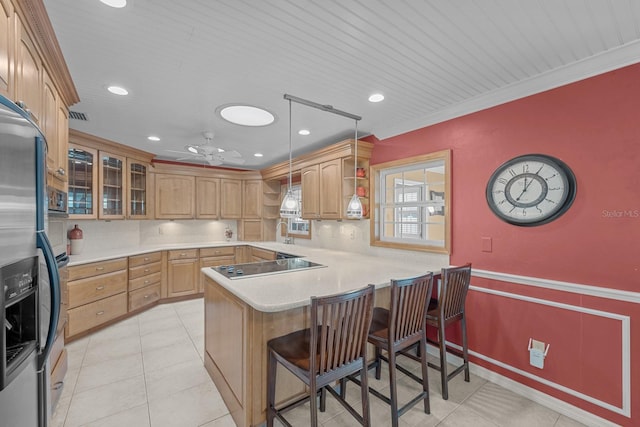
[[58, 385], [99, 268], [146, 296], [183, 254], [100, 313], [146, 282], [146, 258], [146, 270], [99, 288]]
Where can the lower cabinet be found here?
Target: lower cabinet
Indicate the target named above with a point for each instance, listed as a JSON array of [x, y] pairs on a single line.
[[97, 294], [145, 275], [211, 257], [183, 274], [259, 254]]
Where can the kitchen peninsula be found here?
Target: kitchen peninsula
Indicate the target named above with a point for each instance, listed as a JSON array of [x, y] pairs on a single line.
[[242, 314]]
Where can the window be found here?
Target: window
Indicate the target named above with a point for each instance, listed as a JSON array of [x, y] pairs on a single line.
[[298, 227], [411, 203]]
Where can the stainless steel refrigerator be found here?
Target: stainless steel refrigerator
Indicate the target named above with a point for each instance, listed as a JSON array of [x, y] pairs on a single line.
[[29, 278]]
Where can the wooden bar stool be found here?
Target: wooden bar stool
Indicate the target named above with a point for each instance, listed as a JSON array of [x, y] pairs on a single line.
[[447, 309], [396, 330], [335, 346]]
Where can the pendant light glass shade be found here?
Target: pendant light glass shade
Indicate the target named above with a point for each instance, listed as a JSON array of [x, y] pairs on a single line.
[[290, 208], [354, 208]]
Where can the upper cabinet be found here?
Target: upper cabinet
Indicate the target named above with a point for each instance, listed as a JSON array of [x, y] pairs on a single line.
[[329, 178], [252, 199], [175, 196], [111, 194], [106, 180], [230, 198], [6, 48], [207, 197], [28, 79], [139, 189]]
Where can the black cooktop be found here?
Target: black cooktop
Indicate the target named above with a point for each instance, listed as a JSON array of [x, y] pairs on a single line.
[[239, 271]]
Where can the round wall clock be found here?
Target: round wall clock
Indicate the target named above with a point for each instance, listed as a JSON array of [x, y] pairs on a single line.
[[531, 190]]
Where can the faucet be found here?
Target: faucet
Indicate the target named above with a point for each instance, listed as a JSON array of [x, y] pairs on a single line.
[[287, 239]]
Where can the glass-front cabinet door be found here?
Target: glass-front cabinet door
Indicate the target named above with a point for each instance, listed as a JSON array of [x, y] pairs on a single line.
[[138, 208], [83, 178], [112, 182]]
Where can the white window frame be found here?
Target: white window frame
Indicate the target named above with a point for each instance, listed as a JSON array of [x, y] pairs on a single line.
[[430, 207]]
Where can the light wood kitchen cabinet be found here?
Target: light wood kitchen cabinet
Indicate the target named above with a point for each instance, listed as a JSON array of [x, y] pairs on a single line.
[[145, 274], [49, 122], [207, 197], [175, 196], [259, 254], [183, 275], [230, 198], [211, 257], [252, 199], [111, 188], [82, 182], [139, 189], [60, 173], [97, 294], [321, 190], [28, 78], [6, 48], [310, 183]]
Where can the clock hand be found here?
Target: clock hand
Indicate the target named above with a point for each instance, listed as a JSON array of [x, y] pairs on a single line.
[[525, 188]]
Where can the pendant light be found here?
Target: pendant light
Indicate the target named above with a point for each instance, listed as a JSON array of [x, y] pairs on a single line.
[[354, 208], [290, 208]]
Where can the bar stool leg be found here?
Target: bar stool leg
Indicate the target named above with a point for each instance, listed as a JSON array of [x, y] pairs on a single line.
[[425, 373], [443, 361], [364, 394], [465, 348], [313, 401], [323, 399], [378, 364], [393, 388], [271, 388]]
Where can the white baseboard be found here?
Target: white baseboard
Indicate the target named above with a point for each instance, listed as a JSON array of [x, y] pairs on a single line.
[[560, 406]]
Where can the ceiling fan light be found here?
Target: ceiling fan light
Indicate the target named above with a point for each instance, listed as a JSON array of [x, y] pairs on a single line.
[[290, 208], [354, 209], [192, 149]]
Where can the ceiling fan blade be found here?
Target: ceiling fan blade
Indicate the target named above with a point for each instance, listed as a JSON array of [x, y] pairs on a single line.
[[175, 151], [232, 161], [214, 162], [230, 153]]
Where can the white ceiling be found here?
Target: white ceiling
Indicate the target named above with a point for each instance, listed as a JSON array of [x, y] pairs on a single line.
[[433, 60]]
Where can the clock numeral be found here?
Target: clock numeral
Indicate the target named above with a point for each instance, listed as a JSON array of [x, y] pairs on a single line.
[[524, 212], [555, 189], [539, 210], [525, 168], [498, 191], [551, 177], [550, 201], [512, 172], [502, 201], [502, 180]]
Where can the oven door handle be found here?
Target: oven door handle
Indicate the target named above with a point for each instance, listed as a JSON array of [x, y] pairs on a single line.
[[54, 281]]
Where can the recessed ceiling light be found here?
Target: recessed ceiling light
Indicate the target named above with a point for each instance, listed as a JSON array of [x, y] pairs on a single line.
[[376, 97], [258, 155], [117, 90], [304, 132], [153, 138], [247, 115], [115, 3]]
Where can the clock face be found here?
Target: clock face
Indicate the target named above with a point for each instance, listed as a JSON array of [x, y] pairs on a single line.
[[531, 190]]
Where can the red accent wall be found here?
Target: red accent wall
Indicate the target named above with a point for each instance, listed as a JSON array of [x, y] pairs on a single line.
[[594, 127]]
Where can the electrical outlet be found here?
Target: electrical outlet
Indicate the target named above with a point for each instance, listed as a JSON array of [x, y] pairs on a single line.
[[160, 230], [537, 353]]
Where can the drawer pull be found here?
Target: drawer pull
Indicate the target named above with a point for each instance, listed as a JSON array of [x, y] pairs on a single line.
[[99, 268], [147, 258], [147, 282], [146, 296], [183, 254], [58, 385], [100, 313], [146, 270], [99, 288]]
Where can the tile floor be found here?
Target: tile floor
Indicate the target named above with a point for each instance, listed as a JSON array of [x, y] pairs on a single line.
[[147, 371]]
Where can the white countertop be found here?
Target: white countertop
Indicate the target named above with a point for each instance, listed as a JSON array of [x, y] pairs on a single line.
[[345, 271]]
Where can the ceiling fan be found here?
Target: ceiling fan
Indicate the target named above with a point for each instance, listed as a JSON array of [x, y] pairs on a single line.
[[208, 152]]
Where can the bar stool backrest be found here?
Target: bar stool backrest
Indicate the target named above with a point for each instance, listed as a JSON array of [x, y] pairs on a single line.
[[455, 284], [409, 302], [340, 324]]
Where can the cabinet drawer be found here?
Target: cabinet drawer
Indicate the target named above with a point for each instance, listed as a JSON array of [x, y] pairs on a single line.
[[144, 270], [217, 260], [56, 350], [137, 260], [90, 315], [57, 378], [144, 296], [95, 268], [222, 251], [183, 254], [94, 288], [143, 281]]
